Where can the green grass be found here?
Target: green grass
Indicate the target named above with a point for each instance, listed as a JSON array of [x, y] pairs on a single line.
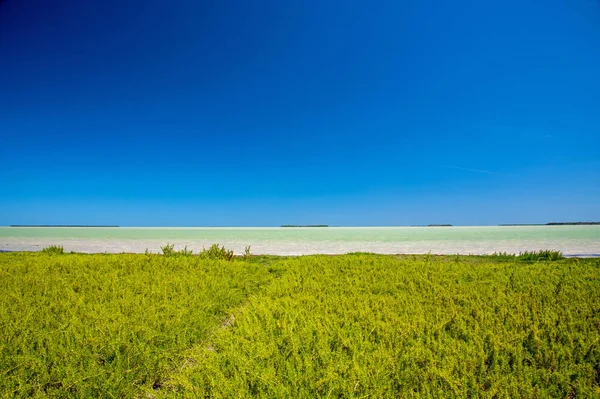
[[214, 252], [541, 255], [54, 249], [108, 325], [353, 326], [425, 326], [546, 255]]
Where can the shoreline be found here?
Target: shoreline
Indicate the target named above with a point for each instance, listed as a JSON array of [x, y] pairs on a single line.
[[572, 240], [569, 256]]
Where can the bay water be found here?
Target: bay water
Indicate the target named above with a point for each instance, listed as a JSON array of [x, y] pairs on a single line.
[[572, 240]]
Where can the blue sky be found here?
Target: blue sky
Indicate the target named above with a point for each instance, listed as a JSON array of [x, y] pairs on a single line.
[[264, 113]]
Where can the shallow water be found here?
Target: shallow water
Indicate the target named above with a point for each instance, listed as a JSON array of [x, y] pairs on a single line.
[[571, 240]]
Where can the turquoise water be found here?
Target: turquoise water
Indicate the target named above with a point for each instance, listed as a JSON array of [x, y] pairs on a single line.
[[572, 240]]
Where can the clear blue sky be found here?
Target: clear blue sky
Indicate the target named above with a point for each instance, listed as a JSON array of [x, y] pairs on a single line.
[[193, 113]]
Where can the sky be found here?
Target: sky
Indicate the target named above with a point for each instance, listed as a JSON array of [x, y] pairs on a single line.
[[262, 113]]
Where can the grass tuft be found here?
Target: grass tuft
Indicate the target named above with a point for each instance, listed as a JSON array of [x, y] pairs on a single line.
[[216, 252], [185, 252], [54, 249], [541, 255], [168, 249], [247, 254]]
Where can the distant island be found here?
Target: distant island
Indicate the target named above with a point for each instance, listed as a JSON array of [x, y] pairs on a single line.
[[553, 224], [571, 223], [57, 225], [307, 225], [439, 225], [521, 224]]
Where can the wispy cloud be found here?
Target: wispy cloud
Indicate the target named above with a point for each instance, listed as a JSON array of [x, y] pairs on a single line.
[[471, 170]]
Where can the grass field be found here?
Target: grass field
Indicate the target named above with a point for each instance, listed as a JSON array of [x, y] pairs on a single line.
[[353, 326], [108, 325]]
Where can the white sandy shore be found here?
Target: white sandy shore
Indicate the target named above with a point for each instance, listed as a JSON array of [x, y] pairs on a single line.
[[572, 247]]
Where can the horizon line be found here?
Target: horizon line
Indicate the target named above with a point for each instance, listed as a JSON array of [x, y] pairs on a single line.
[[306, 226]]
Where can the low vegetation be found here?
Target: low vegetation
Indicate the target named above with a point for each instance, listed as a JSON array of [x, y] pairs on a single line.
[[54, 249], [109, 325], [216, 252], [358, 325], [423, 326], [542, 255], [213, 252]]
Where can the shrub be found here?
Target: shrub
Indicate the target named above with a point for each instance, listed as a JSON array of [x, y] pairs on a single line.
[[216, 252], [530, 255], [168, 250], [54, 249], [541, 255], [185, 252], [247, 254]]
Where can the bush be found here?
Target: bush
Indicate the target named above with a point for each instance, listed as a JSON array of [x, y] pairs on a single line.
[[541, 255], [168, 250], [185, 252], [54, 249], [216, 252], [530, 255], [247, 254]]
